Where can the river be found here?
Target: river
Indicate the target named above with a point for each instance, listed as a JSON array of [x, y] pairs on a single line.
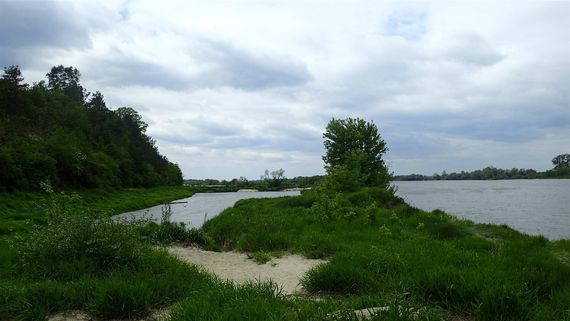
[[536, 207], [194, 211]]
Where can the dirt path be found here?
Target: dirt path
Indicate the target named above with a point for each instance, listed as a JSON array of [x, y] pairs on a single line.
[[286, 271]]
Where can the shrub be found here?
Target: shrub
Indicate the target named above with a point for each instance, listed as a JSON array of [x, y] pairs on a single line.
[[72, 241]]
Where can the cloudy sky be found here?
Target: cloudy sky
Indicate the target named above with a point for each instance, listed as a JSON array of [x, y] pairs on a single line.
[[230, 88]]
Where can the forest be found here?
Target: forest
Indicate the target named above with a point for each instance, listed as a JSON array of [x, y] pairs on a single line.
[[55, 132]]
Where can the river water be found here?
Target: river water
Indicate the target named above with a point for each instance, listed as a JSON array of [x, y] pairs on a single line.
[[536, 207], [194, 211]]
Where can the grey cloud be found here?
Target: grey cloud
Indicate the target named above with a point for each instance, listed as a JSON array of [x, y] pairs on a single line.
[[229, 67], [131, 71], [217, 135], [472, 49], [237, 68], [28, 27]]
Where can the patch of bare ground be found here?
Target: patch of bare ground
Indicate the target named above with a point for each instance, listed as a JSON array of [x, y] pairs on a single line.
[[285, 271]]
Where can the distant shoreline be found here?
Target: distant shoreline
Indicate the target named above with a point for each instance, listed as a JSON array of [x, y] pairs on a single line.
[[488, 174]]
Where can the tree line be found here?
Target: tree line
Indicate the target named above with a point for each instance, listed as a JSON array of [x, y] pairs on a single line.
[[274, 180], [561, 170], [57, 132]]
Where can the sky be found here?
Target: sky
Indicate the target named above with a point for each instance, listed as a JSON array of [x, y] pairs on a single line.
[[231, 88]]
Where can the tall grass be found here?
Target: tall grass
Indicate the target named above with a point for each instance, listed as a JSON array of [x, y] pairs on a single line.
[[414, 265], [20, 211], [378, 246], [77, 261]]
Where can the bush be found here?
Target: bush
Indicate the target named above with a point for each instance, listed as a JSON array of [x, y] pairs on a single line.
[[381, 196], [75, 242]]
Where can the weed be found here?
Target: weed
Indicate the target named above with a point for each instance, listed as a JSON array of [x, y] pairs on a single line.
[[260, 257]]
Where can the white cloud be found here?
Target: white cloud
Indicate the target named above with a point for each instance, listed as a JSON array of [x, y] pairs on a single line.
[[231, 89]]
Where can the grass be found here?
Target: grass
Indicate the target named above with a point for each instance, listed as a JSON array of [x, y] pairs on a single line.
[[260, 257], [19, 211], [416, 265], [378, 246]]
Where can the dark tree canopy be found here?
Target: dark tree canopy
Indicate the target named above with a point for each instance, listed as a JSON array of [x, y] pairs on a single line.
[[355, 145], [13, 75], [561, 161], [97, 102], [48, 133], [66, 79]]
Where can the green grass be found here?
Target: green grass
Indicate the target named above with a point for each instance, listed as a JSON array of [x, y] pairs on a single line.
[[417, 265], [19, 211], [260, 257], [378, 246]]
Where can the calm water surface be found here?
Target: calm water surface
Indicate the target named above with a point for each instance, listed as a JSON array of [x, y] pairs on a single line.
[[540, 206], [192, 211]]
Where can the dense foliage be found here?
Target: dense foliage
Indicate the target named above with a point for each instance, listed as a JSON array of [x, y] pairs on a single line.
[[265, 183], [354, 149], [58, 133], [561, 161]]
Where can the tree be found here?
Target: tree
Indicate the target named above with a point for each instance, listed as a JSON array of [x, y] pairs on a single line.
[[133, 118], [13, 76], [356, 145], [97, 102], [278, 176], [66, 79], [561, 161]]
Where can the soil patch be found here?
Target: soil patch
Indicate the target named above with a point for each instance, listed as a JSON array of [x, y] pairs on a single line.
[[286, 271]]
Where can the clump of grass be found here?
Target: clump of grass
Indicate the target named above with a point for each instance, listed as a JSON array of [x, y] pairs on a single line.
[[260, 257], [78, 244], [445, 230], [318, 246], [262, 240], [228, 301], [339, 276], [167, 233]]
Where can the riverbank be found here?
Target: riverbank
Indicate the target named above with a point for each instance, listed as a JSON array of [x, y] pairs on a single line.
[[20, 211], [535, 207], [380, 248], [382, 256]]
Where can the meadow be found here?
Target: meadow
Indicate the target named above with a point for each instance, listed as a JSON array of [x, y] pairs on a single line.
[[407, 263]]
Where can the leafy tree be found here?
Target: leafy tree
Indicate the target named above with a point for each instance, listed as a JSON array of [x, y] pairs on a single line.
[[13, 76], [97, 102], [66, 79], [130, 116], [561, 161], [48, 133], [356, 145], [278, 176]]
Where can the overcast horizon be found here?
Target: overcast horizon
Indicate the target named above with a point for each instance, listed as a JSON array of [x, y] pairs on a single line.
[[230, 89]]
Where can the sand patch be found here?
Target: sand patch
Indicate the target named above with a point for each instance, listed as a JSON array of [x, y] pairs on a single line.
[[76, 315], [286, 271]]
